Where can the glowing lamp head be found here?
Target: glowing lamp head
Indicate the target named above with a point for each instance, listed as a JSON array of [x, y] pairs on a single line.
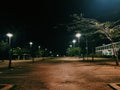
[[9, 35], [38, 46], [74, 41], [78, 35], [31, 43]]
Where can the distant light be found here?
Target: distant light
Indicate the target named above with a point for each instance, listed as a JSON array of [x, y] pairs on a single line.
[[31, 43], [45, 49], [39, 47], [103, 44], [57, 55], [70, 46], [74, 41], [50, 52]]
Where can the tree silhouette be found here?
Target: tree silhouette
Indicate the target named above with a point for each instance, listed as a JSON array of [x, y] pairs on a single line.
[[3, 49]]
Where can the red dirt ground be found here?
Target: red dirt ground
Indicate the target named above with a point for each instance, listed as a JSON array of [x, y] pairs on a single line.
[[62, 76]]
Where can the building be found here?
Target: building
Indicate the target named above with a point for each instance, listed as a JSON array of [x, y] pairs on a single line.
[[107, 49]]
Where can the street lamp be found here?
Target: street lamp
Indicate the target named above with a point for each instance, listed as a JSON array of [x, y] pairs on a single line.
[[39, 50], [74, 41], [70, 46], [50, 53], [9, 35], [78, 35], [39, 47], [31, 43]]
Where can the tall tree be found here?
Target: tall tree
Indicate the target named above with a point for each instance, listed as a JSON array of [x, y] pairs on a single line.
[[111, 31]]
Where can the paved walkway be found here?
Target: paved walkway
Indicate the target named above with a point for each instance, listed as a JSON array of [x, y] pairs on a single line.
[[61, 76]]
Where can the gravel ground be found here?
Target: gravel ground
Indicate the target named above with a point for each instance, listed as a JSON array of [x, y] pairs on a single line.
[[61, 75]]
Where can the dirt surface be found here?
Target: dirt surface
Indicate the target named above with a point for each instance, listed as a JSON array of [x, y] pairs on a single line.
[[59, 75]]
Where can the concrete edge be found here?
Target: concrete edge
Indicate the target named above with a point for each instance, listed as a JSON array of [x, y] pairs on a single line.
[[114, 86], [7, 86]]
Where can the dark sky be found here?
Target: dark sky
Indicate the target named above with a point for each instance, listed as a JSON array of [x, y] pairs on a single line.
[[35, 21]]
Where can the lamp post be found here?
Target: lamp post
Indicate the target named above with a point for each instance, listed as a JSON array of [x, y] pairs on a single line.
[[50, 53], [74, 41], [86, 48], [9, 35], [78, 35], [39, 50], [31, 43]]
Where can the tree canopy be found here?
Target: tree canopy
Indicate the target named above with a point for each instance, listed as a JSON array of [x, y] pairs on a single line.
[[89, 27]]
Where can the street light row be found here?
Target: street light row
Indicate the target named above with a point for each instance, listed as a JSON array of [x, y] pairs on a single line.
[[78, 35], [10, 35]]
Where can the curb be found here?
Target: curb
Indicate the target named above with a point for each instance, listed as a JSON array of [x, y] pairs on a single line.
[[6, 86], [114, 86]]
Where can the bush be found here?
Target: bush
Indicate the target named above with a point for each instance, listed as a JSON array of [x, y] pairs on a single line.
[[101, 56], [74, 51]]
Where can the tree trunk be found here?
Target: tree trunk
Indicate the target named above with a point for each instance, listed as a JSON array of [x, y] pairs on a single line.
[[115, 54], [83, 57], [92, 53], [18, 57], [23, 57], [33, 59], [92, 57]]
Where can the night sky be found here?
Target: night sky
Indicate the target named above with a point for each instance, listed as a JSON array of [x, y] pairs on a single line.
[[40, 22]]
